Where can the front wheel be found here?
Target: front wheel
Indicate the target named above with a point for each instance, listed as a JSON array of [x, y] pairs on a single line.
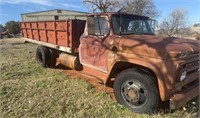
[[136, 91]]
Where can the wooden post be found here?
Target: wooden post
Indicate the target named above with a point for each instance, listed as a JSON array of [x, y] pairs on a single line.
[[26, 29], [67, 33], [45, 31], [31, 31], [56, 41], [38, 30]]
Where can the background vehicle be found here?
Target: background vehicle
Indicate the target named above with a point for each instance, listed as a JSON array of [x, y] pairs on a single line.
[[122, 49]]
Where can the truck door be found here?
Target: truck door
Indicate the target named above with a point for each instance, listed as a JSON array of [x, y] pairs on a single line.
[[93, 50]]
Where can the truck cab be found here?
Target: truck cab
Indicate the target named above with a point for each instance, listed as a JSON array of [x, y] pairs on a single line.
[[145, 68], [102, 34]]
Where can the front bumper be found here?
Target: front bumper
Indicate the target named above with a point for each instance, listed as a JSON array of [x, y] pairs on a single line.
[[181, 98]]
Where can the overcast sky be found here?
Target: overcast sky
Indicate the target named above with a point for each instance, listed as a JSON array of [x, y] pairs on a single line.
[[11, 9]]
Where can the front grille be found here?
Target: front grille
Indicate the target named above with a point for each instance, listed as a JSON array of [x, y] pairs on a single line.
[[192, 64], [192, 67]]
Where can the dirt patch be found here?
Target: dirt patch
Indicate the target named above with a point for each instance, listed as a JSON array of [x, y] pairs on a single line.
[[97, 84]]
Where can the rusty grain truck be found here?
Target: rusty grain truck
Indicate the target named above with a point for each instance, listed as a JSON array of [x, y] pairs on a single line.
[[121, 49]]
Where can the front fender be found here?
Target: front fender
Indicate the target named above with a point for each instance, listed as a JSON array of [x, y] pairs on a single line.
[[159, 67]]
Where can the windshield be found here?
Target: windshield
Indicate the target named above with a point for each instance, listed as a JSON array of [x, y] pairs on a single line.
[[130, 24]]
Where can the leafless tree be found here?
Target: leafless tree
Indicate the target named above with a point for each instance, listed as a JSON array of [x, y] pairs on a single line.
[[101, 5], [140, 7], [174, 24]]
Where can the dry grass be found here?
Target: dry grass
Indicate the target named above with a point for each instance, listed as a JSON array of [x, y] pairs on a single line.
[[28, 90]]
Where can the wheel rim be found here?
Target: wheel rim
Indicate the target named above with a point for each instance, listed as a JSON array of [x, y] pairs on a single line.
[[134, 93]]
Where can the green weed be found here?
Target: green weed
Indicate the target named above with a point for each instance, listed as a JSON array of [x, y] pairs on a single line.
[[28, 90]]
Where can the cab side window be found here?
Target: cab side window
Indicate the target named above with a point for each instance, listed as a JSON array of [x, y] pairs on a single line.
[[98, 26]]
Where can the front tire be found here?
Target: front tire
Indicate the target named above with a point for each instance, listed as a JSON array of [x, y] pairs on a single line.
[[136, 90]]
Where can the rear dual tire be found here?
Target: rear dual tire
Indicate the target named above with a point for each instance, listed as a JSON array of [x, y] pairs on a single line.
[[53, 56], [46, 57]]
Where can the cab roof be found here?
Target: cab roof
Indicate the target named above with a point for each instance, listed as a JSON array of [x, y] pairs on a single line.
[[115, 13]]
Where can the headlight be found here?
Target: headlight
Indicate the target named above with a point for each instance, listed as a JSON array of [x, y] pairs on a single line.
[[183, 76]]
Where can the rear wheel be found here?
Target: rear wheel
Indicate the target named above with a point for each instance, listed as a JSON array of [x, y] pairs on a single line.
[[53, 56], [136, 91], [42, 56]]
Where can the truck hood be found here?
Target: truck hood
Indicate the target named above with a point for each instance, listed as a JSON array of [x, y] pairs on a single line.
[[158, 46]]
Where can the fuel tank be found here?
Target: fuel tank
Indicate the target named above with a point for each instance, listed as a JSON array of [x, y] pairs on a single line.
[[71, 61]]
